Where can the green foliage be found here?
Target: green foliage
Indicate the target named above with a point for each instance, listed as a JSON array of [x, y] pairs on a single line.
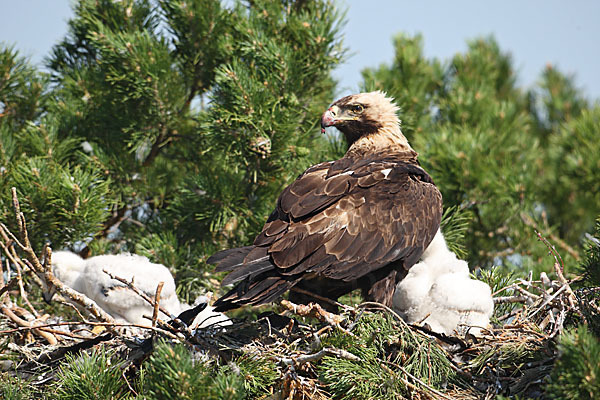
[[170, 126], [92, 376], [556, 100], [510, 356], [22, 90], [386, 349], [591, 264], [499, 278], [173, 374], [454, 225], [259, 374], [14, 388], [570, 182], [576, 374], [516, 161], [63, 201]]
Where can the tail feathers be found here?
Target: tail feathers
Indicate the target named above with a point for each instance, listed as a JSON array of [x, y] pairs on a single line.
[[262, 291], [228, 259], [244, 262], [249, 270]]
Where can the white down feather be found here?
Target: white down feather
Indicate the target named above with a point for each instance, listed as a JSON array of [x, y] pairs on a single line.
[[124, 305], [438, 291]]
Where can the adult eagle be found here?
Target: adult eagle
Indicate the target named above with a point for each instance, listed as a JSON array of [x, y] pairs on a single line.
[[359, 222]]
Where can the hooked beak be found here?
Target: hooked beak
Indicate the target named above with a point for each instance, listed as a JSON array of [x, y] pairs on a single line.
[[329, 117]]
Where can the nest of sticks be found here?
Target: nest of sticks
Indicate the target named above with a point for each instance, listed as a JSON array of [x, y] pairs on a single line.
[[513, 357]]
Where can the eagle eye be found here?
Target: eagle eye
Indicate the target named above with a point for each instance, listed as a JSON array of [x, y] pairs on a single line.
[[357, 108]]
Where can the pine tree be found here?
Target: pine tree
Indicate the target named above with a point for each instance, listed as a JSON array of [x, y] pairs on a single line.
[[167, 127]]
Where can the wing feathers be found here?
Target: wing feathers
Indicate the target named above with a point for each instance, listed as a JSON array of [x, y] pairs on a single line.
[[340, 220]]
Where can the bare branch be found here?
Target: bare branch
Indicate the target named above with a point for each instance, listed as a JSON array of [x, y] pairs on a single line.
[[156, 302], [50, 338], [327, 351]]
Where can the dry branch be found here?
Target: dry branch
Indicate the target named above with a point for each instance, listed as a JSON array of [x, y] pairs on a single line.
[[339, 353], [156, 303], [313, 310], [33, 326]]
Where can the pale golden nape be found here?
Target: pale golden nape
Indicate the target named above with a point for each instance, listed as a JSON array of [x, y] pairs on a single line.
[[382, 109]]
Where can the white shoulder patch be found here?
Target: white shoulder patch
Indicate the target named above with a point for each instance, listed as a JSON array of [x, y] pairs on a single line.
[[386, 172]]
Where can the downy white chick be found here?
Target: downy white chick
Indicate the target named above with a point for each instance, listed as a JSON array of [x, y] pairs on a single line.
[[438, 291], [88, 277]]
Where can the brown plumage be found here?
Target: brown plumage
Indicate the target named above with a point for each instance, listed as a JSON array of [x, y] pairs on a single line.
[[359, 222]]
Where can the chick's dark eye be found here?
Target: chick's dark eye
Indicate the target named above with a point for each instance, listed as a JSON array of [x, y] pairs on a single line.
[[357, 109]]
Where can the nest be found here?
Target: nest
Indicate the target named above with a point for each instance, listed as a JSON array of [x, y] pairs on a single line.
[[314, 353]]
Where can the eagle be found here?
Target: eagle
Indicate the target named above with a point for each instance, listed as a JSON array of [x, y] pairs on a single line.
[[360, 222]]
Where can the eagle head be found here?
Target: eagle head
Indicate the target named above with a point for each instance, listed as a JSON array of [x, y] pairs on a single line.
[[362, 114]]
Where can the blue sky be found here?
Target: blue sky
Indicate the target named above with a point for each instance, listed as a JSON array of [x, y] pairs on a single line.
[[536, 32]]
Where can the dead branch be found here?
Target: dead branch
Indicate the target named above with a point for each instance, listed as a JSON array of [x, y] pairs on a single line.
[[559, 268], [91, 323], [313, 310], [33, 326], [328, 351], [7, 287], [510, 299], [156, 302]]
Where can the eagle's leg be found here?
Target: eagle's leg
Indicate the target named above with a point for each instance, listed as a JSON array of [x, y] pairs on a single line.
[[382, 290], [326, 291]]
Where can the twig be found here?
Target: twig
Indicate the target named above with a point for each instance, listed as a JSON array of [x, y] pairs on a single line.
[[510, 299], [313, 310], [7, 287], [531, 223], [70, 305], [431, 389], [321, 298], [552, 250], [22, 291], [11, 256], [45, 271], [510, 314], [2, 287], [156, 302], [383, 306], [559, 268], [426, 386], [50, 338], [327, 351], [548, 300], [91, 323]]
